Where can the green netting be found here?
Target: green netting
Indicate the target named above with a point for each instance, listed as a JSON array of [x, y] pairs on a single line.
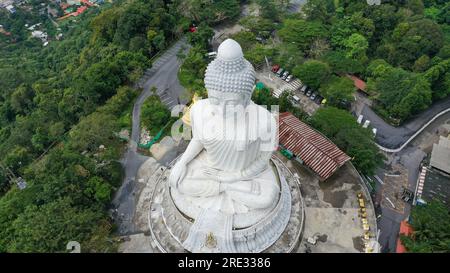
[[259, 85]]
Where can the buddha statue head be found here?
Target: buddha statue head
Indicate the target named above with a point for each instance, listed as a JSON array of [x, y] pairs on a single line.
[[230, 78]]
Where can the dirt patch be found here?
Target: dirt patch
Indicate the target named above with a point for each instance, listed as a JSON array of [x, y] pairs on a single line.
[[335, 198], [358, 243], [322, 238]]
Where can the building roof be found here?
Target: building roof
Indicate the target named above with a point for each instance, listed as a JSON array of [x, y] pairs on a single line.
[[405, 229], [316, 151], [360, 84], [440, 156], [436, 185]]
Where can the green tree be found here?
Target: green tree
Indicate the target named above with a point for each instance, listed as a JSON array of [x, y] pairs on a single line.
[[246, 39], [154, 114], [98, 188], [17, 158], [422, 64], [411, 40], [431, 225], [439, 78], [321, 10], [301, 33], [193, 69], [50, 227], [92, 131], [338, 92], [356, 46], [288, 55], [340, 64], [22, 99], [358, 142], [264, 97], [399, 92], [258, 53], [202, 36], [313, 73]]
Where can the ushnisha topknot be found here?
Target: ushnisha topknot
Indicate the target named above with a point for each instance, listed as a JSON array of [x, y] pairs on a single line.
[[230, 72]]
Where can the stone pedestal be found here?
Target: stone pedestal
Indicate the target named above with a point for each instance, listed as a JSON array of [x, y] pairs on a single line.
[[279, 231]]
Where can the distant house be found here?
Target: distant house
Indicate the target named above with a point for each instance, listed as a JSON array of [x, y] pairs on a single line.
[[359, 84], [11, 9], [407, 230], [310, 147], [40, 35], [3, 31], [5, 3], [73, 2]]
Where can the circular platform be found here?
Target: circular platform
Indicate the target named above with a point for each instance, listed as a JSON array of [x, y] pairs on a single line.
[[279, 232]]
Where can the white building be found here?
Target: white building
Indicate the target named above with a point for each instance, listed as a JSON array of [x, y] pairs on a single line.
[[40, 35], [11, 8], [440, 156], [5, 3]]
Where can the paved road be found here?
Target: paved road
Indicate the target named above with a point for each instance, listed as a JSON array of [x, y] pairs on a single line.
[[393, 137], [295, 5], [162, 75], [410, 158]]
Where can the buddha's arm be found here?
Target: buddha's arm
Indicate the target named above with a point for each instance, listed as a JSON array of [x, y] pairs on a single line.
[[192, 150], [179, 170], [258, 166]]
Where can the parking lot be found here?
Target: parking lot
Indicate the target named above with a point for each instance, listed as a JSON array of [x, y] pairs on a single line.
[[278, 85]]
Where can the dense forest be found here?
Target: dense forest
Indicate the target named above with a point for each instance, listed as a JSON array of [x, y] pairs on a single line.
[[401, 48], [60, 107]]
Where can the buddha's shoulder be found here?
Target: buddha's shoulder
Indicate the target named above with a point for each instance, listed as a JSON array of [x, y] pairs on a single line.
[[262, 117], [198, 105]]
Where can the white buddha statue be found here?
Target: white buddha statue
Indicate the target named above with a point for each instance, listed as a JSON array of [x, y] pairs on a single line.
[[224, 179]]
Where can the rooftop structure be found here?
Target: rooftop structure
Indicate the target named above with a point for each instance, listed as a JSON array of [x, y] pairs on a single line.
[[405, 229], [433, 184], [309, 146], [11, 8], [360, 84], [5, 3], [440, 156]]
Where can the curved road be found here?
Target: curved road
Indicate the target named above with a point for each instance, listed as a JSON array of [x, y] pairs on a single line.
[[162, 75], [392, 137]]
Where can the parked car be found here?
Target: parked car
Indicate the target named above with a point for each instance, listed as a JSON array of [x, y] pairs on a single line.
[[211, 55], [308, 93], [304, 89], [296, 99], [275, 68], [261, 40], [280, 72], [318, 99], [289, 78], [285, 75], [313, 96]]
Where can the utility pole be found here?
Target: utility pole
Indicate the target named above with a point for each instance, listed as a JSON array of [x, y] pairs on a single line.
[[268, 67], [21, 183]]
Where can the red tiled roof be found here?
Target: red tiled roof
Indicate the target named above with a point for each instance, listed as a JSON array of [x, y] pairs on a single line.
[[405, 229], [315, 150], [360, 84], [80, 10]]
